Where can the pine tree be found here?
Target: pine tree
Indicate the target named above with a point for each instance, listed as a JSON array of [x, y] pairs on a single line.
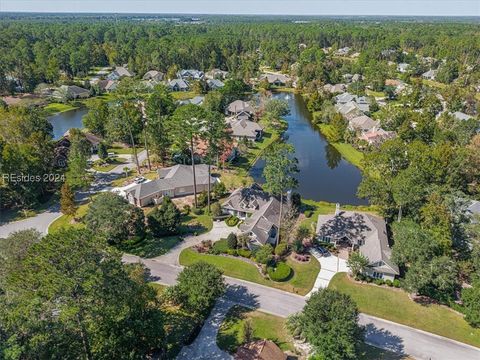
[[67, 200]]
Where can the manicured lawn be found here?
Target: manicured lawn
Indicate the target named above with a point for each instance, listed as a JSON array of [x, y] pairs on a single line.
[[434, 84], [112, 164], [369, 352], [54, 108], [183, 95], [233, 179], [123, 150], [348, 152], [374, 93], [301, 282], [395, 305], [64, 221], [265, 326], [151, 247]]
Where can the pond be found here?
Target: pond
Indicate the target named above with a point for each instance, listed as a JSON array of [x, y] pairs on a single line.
[[324, 174], [66, 120]]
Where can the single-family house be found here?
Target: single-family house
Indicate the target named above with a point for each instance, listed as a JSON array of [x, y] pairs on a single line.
[[178, 85], [154, 75], [241, 129], [215, 84], [461, 116], [345, 98], [349, 110], [275, 79], [363, 232], [107, 85], [260, 350], [241, 109], [120, 72], [362, 124], [430, 74], [72, 92], [92, 139], [175, 181], [197, 100], [335, 89], [403, 67], [190, 74], [376, 136], [216, 74], [343, 51], [260, 212]]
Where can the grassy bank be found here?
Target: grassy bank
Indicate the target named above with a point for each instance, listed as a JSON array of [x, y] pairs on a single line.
[[395, 305], [348, 152], [301, 282], [65, 221], [55, 108]]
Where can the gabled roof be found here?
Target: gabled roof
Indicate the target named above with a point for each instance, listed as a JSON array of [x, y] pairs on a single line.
[[122, 71], [262, 220], [244, 128], [239, 106], [191, 74], [345, 98], [248, 199], [215, 83], [366, 231], [260, 350], [274, 78], [153, 75], [363, 122], [180, 83]]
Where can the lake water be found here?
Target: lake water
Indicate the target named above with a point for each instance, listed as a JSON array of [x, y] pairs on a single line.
[[324, 174], [64, 121]]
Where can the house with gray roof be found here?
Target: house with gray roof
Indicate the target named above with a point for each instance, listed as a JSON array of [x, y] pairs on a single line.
[[345, 98], [349, 110], [215, 84], [240, 128], [430, 74], [363, 232], [175, 181], [403, 67], [362, 124], [154, 75], [461, 116], [238, 107], [335, 89], [191, 74], [120, 72], [275, 79], [197, 100], [72, 92], [260, 212], [216, 74], [178, 85]]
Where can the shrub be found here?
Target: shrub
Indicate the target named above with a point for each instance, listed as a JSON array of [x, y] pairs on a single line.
[[297, 246], [389, 282], [216, 210], [264, 254], [368, 279], [232, 252], [232, 220], [308, 213], [232, 241], [202, 199], [379, 282], [164, 220], [244, 253], [396, 283], [186, 209], [197, 211], [280, 272], [219, 190], [281, 249], [221, 246]]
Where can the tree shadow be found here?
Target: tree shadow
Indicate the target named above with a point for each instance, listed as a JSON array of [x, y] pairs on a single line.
[[239, 294], [383, 338]]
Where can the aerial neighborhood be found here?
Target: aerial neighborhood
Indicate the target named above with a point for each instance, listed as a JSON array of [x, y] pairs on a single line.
[[193, 188]]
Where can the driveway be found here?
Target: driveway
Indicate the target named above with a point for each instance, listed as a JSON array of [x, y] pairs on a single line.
[[219, 230], [205, 345], [329, 266]]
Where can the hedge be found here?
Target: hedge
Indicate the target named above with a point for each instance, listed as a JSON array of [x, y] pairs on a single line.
[[232, 220], [280, 272]]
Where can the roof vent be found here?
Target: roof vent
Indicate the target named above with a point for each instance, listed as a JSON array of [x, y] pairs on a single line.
[[337, 208]]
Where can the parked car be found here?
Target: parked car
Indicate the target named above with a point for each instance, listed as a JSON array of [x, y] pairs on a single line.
[[139, 180], [323, 251]]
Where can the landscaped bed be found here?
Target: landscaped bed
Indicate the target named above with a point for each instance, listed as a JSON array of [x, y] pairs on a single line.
[[395, 305], [301, 282]]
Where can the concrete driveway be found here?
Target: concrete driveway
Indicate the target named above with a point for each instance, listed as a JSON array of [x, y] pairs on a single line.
[[329, 266], [205, 345]]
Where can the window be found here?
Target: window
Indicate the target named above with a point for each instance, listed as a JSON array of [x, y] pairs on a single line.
[[377, 275], [326, 239]]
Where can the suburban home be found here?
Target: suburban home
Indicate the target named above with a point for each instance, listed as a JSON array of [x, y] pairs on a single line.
[[461, 116], [349, 110], [175, 181], [119, 72], [240, 109], [275, 79], [403, 67], [191, 75], [93, 140], [377, 136], [345, 98], [260, 212], [430, 74], [107, 85], [352, 78], [343, 51], [363, 232], [362, 124], [178, 85], [72, 92], [259, 350], [244, 129], [335, 89], [217, 74], [197, 100], [215, 84], [154, 75]]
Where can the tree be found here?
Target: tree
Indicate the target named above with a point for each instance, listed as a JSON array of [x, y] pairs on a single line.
[[71, 297], [232, 241], [67, 200], [164, 219], [112, 217], [247, 331], [264, 254], [78, 156], [277, 108], [279, 171], [471, 303], [102, 151], [187, 124], [357, 263], [216, 209], [339, 126], [198, 286], [329, 322], [97, 116]]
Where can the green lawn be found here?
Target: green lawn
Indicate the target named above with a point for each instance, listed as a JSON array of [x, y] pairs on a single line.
[[65, 221], [374, 93], [348, 152], [301, 282], [369, 352], [183, 95], [54, 108], [395, 305], [265, 326], [112, 164], [256, 150], [123, 150]]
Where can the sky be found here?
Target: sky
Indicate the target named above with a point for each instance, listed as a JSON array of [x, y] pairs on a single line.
[[276, 7]]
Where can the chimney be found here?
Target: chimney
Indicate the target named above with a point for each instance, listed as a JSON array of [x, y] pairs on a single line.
[[337, 208]]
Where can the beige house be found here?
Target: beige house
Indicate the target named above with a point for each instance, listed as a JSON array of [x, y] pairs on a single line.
[[175, 181]]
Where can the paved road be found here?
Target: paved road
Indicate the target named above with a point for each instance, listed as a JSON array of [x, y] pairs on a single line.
[[381, 333]]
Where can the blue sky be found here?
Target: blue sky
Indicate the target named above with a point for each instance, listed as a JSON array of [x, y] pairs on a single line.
[[290, 7]]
